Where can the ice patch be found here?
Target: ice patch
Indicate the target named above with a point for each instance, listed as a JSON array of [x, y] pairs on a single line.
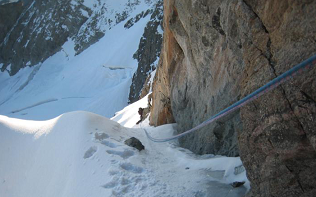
[[225, 190], [217, 174]]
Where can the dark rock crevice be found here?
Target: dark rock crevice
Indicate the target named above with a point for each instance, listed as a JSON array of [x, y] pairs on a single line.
[[299, 183], [292, 110], [216, 22], [257, 16], [308, 97], [9, 14]]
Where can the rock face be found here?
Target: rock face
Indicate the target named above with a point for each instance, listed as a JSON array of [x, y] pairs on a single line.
[[215, 53], [198, 75], [148, 50], [278, 145], [39, 32], [9, 13]]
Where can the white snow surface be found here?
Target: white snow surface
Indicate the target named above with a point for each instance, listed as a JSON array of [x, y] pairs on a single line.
[[129, 115], [83, 154]]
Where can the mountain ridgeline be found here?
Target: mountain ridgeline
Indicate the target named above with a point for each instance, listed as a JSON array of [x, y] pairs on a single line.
[[39, 32], [32, 31]]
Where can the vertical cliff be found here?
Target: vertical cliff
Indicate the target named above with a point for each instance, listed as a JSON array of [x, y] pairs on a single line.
[[216, 52]]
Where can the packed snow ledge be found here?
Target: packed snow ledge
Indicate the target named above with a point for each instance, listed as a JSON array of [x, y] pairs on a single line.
[[83, 154]]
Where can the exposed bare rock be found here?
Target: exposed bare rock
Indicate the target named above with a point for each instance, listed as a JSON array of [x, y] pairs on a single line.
[[9, 13], [149, 49], [39, 32], [43, 27], [278, 141], [134, 142], [198, 76], [216, 52], [146, 87]]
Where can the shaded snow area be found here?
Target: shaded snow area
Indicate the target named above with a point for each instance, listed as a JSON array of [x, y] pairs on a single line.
[[83, 154], [96, 80]]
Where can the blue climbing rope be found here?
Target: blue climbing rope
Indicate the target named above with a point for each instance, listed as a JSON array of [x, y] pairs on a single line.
[[305, 65]]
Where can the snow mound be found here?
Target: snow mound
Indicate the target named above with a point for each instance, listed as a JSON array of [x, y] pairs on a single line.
[[83, 154], [54, 157]]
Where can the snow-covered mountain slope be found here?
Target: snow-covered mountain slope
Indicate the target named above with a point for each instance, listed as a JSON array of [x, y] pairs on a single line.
[[45, 25], [96, 80], [83, 154]]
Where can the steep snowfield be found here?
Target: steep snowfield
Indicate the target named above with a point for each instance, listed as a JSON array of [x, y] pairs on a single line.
[[83, 154], [96, 80]]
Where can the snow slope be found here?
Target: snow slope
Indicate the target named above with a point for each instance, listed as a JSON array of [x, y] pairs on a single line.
[[96, 80], [83, 154]]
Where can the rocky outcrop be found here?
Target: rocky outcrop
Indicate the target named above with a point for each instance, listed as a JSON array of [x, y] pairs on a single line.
[[44, 26], [149, 49], [216, 52], [39, 32], [135, 143], [101, 18], [9, 13]]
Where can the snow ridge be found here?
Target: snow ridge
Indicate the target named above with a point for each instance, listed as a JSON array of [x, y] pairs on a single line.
[[83, 154]]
